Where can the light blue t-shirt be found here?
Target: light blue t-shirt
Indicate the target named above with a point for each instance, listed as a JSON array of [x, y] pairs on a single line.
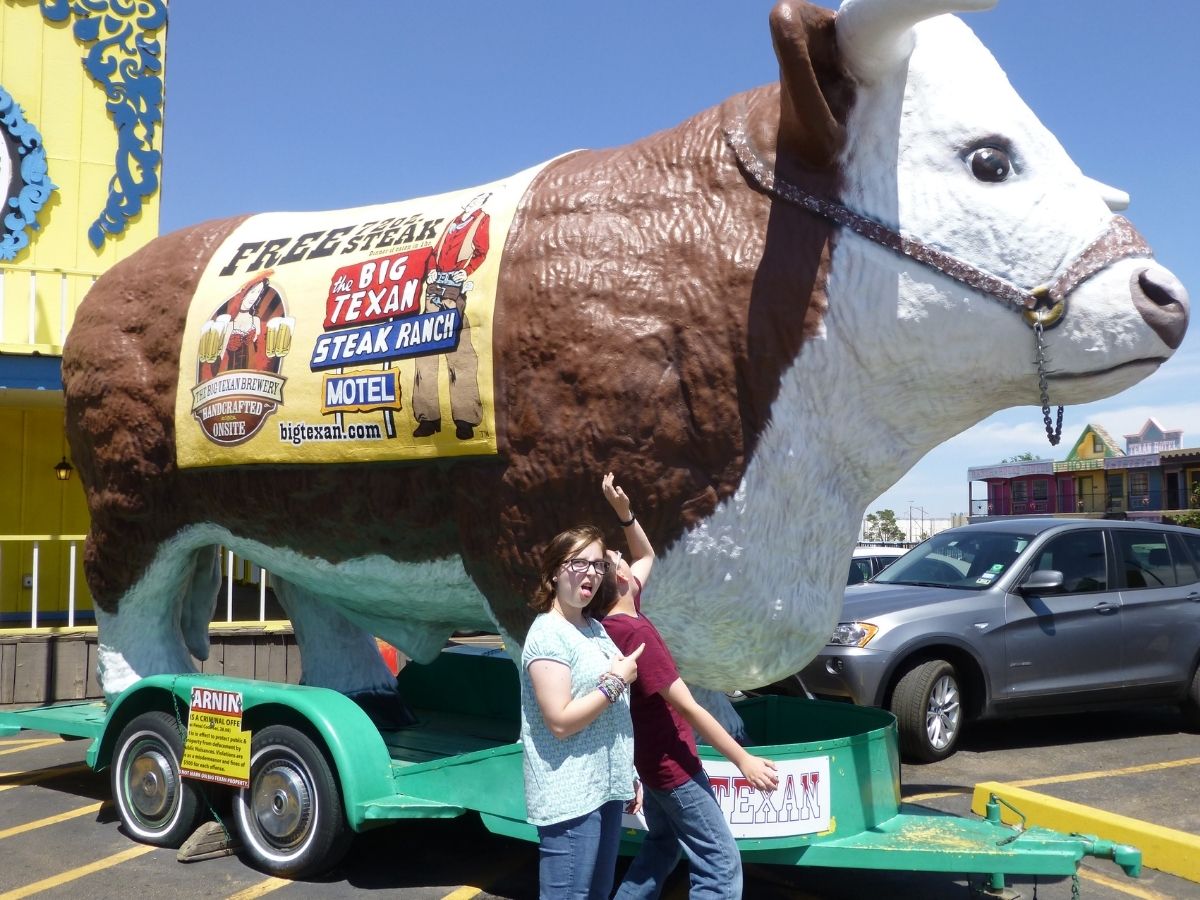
[[569, 777]]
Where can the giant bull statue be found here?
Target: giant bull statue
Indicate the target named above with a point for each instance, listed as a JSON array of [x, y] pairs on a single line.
[[760, 319]]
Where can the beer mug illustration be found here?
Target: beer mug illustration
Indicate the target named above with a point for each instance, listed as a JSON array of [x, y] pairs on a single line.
[[213, 336], [279, 335]]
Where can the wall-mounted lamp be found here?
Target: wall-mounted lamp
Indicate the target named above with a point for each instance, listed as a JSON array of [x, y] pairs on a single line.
[[63, 470]]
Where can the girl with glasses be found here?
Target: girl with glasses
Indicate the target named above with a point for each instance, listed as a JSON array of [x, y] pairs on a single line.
[[575, 724]]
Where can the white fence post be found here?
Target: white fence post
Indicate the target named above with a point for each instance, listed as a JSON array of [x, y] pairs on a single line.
[[71, 588], [34, 585], [229, 586]]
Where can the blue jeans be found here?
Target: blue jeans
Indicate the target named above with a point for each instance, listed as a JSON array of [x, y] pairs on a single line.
[[578, 857], [687, 820]]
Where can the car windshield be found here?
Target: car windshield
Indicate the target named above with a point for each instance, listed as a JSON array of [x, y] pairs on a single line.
[[966, 560]]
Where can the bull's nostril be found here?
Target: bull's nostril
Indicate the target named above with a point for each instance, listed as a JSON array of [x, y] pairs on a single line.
[[1162, 288], [1162, 300]]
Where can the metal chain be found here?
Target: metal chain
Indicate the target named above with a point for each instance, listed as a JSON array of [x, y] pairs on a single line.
[[1053, 432], [182, 729], [1075, 886], [179, 726]]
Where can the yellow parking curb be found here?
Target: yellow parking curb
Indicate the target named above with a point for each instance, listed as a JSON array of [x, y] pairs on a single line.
[[1164, 849]]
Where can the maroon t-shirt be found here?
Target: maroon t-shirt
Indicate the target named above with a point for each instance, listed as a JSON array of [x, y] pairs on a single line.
[[664, 750]]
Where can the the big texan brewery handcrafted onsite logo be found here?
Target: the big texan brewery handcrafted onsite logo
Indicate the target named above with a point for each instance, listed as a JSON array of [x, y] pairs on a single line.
[[240, 353]]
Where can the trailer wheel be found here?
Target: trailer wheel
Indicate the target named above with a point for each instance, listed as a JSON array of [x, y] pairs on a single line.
[[927, 704], [290, 818], [157, 806]]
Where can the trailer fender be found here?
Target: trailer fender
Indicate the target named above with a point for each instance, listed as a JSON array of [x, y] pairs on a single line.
[[356, 749]]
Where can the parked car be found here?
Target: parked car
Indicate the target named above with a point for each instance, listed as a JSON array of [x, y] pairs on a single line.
[[869, 560], [1023, 616]]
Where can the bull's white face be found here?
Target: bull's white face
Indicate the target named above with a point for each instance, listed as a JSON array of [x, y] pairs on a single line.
[[908, 357]]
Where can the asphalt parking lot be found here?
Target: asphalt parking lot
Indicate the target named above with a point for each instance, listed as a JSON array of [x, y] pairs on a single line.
[[59, 834]]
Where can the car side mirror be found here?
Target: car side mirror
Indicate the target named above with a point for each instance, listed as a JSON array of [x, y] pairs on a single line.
[[1042, 581]]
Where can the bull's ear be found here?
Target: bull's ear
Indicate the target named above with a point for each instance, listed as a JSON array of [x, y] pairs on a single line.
[[814, 91]]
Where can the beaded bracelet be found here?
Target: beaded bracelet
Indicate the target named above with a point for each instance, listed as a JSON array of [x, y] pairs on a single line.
[[612, 686]]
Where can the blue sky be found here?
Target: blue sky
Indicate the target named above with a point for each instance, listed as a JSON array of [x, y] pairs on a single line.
[[315, 105]]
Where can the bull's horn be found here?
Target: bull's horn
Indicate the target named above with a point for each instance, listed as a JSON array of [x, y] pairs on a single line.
[[1116, 198], [875, 36]]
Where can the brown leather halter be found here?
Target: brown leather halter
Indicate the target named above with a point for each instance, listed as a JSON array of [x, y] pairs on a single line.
[[1042, 306]]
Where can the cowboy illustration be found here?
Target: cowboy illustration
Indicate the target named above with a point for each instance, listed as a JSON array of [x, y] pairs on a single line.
[[457, 253]]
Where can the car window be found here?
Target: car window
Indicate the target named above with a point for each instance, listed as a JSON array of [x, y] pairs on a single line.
[[860, 570], [1187, 566], [882, 562], [1192, 543], [1079, 555], [962, 559], [1144, 560]]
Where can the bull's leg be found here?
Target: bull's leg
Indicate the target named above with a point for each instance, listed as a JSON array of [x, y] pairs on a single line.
[[159, 619], [201, 600], [337, 654]]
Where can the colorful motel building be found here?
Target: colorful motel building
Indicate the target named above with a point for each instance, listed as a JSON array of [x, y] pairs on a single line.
[[81, 114], [1152, 476]]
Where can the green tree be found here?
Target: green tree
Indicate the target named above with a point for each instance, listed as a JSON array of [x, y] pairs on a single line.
[[1190, 518], [881, 526], [1027, 456]]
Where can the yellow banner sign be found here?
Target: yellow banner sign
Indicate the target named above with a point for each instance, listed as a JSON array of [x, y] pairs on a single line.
[[216, 749], [353, 335]]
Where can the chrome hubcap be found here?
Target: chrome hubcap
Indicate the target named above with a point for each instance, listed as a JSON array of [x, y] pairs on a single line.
[[941, 718], [282, 803], [152, 784]]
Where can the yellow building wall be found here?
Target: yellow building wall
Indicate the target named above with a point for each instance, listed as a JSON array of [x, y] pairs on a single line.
[[41, 67], [34, 502], [1086, 447]]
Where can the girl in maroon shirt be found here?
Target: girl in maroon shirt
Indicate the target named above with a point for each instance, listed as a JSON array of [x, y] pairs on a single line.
[[682, 813]]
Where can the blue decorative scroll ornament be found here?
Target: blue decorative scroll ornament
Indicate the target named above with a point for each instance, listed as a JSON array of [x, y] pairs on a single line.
[[29, 187], [125, 59]]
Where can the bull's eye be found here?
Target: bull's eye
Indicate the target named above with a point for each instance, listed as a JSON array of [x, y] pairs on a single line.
[[990, 164]]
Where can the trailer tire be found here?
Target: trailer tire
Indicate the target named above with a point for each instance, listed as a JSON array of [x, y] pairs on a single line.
[[156, 804], [291, 819], [927, 704]]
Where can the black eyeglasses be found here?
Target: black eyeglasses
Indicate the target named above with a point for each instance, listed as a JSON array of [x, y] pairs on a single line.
[[599, 566]]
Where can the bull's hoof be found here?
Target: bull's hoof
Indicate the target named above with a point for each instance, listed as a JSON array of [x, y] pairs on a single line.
[[427, 427]]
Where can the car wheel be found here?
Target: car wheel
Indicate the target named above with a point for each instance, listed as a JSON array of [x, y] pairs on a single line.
[[1191, 704], [927, 704], [156, 804], [290, 818]]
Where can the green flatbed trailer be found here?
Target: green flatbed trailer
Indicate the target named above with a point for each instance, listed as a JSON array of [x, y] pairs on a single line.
[[321, 770]]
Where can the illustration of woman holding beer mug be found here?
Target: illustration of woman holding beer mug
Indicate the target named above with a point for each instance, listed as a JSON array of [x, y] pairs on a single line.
[[237, 339]]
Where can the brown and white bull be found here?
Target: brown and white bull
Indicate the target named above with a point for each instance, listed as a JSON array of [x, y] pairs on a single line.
[[760, 318]]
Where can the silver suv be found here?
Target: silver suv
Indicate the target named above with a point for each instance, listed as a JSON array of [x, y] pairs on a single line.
[[1021, 616]]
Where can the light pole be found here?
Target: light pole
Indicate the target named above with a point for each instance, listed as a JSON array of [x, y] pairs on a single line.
[[910, 509], [923, 515]]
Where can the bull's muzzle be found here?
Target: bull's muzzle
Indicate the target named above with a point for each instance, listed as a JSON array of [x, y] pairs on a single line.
[[1162, 300]]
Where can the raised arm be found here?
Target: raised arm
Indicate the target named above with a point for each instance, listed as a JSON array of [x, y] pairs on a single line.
[[641, 552]]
